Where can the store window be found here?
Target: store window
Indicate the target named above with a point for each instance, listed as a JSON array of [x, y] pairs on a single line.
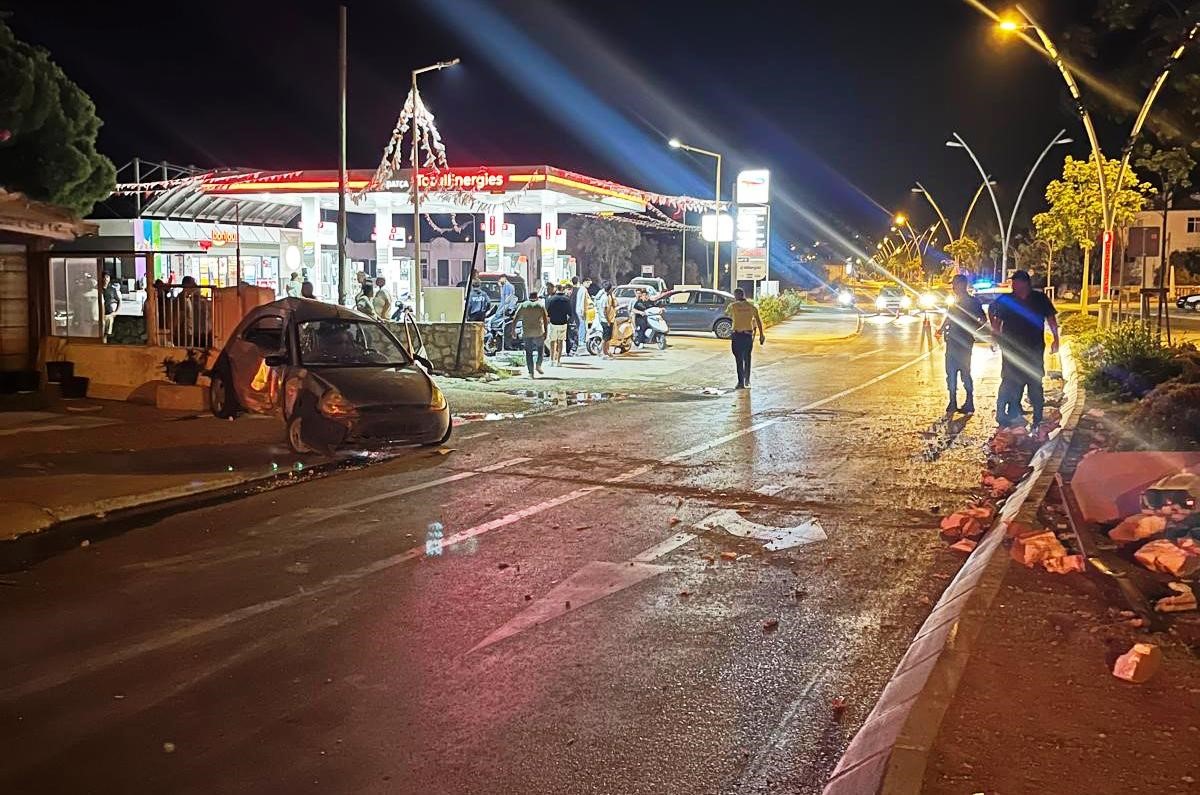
[[75, 297], [1193, 222], [465, 266], [443, 266]]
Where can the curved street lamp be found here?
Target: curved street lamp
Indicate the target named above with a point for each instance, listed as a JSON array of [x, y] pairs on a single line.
[[675, 143]]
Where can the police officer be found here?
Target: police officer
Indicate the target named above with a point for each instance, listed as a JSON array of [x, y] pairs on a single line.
[[963, 324]]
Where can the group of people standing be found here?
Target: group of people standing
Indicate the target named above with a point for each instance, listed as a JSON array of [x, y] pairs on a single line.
[[562, 317], [1017, 322]]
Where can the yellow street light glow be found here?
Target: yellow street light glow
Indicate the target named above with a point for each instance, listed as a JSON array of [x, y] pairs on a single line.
[[1009, 26], [900, 219]]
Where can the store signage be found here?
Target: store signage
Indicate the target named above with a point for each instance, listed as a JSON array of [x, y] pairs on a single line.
[[220, 237], [463, 180], [753, 187], [753, 232], [553, 236]]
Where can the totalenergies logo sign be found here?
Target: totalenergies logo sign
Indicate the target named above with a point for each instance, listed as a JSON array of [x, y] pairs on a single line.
[[481, 181]]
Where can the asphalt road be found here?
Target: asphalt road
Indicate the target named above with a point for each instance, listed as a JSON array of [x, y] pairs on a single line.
[[535, 612]]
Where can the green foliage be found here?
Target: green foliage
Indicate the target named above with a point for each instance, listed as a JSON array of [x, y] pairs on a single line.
[[778, 308], [1076, 323], [1171, 413], [1173, 167], [1125, 361], [604, 247], [1076, 214], [50, 152], [965, 251], [1188, 260]]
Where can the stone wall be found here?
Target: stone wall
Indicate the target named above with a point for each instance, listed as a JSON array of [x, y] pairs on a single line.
[[441, 342], [116, 372]]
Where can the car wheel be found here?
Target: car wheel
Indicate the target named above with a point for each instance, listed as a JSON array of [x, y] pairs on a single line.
[[295, 436], [723, 328], [221, 401]]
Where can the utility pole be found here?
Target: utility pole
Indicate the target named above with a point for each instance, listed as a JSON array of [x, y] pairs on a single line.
[[343, 266]]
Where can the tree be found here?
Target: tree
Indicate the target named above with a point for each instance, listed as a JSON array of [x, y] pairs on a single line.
[[1076, 214], [965, 251], [1173, 167], [48, 128], [604, 245]]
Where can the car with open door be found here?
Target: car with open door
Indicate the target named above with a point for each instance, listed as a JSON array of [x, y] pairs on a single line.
[[333, 375]]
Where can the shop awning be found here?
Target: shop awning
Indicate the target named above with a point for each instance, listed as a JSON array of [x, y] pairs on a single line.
[[39, 219]]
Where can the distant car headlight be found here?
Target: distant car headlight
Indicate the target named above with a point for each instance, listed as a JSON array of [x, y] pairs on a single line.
[[950, 299], [906, 302], [881, 302], [928, 301], [846, 298], [334, 404], [437, 400]]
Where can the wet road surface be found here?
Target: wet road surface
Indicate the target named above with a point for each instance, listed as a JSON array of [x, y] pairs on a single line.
[[543, 610]]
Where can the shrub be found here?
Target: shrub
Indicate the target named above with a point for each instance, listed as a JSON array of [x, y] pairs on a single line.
[[1125, 361], [778, 308], [1076, 323], [1171, 412]]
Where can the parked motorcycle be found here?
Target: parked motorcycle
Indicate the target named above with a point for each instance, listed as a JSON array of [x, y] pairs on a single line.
[[499, 332]]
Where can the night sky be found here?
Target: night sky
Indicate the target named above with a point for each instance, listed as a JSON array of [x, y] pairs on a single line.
[[848, 103]]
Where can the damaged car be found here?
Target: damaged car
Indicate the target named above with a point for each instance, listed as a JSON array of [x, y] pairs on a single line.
[[333, 375]]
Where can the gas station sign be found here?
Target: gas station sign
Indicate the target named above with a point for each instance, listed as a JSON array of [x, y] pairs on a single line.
[[462, 180], [753, 223]]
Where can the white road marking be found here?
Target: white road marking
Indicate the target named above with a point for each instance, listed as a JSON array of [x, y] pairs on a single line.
[[53, 678], [755, 767], [387, 495], [777, 538], [858, 356], [666, 547]]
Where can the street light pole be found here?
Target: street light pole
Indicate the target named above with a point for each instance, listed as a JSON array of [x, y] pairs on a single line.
[[343, 270], [414, 274], [929, 196], [675, 143]]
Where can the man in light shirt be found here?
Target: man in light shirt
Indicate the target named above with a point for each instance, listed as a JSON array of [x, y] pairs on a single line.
[[745, 321]]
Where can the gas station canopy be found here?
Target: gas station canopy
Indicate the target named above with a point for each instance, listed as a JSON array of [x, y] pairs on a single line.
[[508, 189]]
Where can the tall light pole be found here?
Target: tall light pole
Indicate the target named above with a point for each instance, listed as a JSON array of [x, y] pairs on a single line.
[[675, 143], [1006, 231], [414, 273], [1108, 199], [343, 270], [970, 208]]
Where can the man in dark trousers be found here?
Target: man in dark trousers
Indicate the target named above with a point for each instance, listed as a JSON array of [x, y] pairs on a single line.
[[745, 321], [1018, 324], [964, 321], [559, 311]]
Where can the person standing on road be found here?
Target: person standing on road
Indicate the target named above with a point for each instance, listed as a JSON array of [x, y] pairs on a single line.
[[745, 321], [365, 302], [293, 286], [606, 313], [531, 317], [1018, 324], [583, 307], [382, 300], [640, 320], [961, 328], [558, 312]]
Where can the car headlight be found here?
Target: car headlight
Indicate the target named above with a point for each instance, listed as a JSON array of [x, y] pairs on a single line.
[[845, 298], [906, 302], [334, 404], [881, 302], [437, 400], [928, 300]]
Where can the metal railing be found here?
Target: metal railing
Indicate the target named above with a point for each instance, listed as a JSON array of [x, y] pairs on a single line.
[[182, 317]]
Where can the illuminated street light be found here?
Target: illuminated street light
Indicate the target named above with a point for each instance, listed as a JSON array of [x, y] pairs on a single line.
[[1010, 26], [900, 219], [675, 143], [414, 272]]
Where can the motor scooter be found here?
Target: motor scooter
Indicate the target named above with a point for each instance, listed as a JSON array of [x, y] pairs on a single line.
[[656, 328], [499, 331], [622, 336]]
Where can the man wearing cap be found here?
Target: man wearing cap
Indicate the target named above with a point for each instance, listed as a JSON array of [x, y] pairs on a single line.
[[1018, 324]]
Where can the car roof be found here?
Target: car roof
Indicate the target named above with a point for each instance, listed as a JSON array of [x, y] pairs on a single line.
[[698, 290], [305, 309]]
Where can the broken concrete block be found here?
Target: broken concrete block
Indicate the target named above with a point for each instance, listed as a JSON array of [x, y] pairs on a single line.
[[965, 545], [983, 513], [1032, 548], [1169, 557], [1138, 527], [1183, 599], [1001, 487], [1139, 663], [1064, 565]]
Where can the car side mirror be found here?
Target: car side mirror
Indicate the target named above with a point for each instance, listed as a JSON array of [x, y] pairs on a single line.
[[428, 365], [276, 360]]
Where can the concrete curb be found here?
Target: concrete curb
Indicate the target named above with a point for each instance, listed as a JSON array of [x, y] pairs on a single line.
[[890, 751], [104, 519]]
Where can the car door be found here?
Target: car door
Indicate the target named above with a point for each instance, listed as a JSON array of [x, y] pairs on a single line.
[[680, 309], [256, 383], [710, 307]]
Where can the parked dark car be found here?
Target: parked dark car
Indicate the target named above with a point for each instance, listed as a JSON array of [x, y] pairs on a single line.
[[1191, 303], [332, 374], [697, 309]]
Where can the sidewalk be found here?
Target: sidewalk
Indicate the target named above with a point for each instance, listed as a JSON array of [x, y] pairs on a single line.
[[1038, 704]]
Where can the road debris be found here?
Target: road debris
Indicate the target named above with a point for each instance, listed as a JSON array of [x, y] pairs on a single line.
[[1139, 663], [838, 705], [1177, 559], [964, 545], [770, 625], [729, 556], [1138, 527], [1033, 548], [1183, 599]]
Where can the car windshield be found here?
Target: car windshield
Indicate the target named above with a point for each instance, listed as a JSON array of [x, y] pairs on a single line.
[[347, 343], [891, 292]]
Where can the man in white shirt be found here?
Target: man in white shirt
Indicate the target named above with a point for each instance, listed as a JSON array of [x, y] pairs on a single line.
[[293, 286], [383, 299]]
